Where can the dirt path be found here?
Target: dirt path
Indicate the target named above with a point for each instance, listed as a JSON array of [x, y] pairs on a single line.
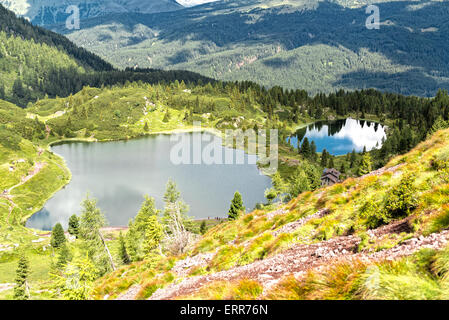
[[301, 258], [6, 286], [36, 169], [7, 193], [130, 294]]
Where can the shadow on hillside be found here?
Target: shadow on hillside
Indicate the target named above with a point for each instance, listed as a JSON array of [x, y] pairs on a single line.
[[417, 82]]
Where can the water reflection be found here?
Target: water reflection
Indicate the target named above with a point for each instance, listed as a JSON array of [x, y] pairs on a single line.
[[341, 136], [118, 174]]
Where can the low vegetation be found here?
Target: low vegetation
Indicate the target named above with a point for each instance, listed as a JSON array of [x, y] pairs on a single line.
[[409, 187]]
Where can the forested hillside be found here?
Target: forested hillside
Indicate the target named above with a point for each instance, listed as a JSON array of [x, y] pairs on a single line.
[[312, 45], [35, 63], [19, 27]]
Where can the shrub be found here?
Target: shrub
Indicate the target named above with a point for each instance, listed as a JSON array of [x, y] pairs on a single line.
[[399, 203], [401, 200]]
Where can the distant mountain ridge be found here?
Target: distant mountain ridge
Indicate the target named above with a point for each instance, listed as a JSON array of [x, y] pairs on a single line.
[[315, 45], [45, 12]]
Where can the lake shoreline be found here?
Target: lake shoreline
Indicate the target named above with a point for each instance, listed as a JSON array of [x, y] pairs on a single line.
[[44, 220]]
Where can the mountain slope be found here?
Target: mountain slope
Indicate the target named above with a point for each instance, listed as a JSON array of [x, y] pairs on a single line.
[[18, 27], [35, 62], [44, 12], [313, 45], [397, 213], [192, 3]]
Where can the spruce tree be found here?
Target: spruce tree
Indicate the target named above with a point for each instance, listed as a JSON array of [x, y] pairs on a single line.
[[21, 288], [331, 162], [2, 92], [365, 165], [135, 236], [57, 236], [166, 117], [64, 256], [324, 158], [74, 225], [203, 227], [353, 158], [313, 153], [91, 221], [305, 148], [124, 257], [236, 206], [154, 232], [174, 202], [279, 185], [298, 183]]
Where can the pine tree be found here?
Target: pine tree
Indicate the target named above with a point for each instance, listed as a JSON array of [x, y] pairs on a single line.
[[365, 165], [57, 236], [17, 89], [324, 158], [123, 253], [331, 162], [236, 206], [166, 117], [171, 194], [91, 221], [135, 237], [203, 227], [353, 158], [279, 185], [305, 148], [64, 257], [21, 288], [2, 92], [174, 202], [74, 225], [76, 281], [154, 232], [145, 127], [313, 153], [298, 183]]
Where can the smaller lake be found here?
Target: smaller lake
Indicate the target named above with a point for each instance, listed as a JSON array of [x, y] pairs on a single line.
[[120, 173], [341, 136]]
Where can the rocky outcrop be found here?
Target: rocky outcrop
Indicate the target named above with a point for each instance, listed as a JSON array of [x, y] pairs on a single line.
[[300, 258]]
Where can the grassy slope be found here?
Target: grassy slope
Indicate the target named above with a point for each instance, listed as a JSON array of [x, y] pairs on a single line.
[[116, 113], [21, 156], [91, 115], [428, 164]]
